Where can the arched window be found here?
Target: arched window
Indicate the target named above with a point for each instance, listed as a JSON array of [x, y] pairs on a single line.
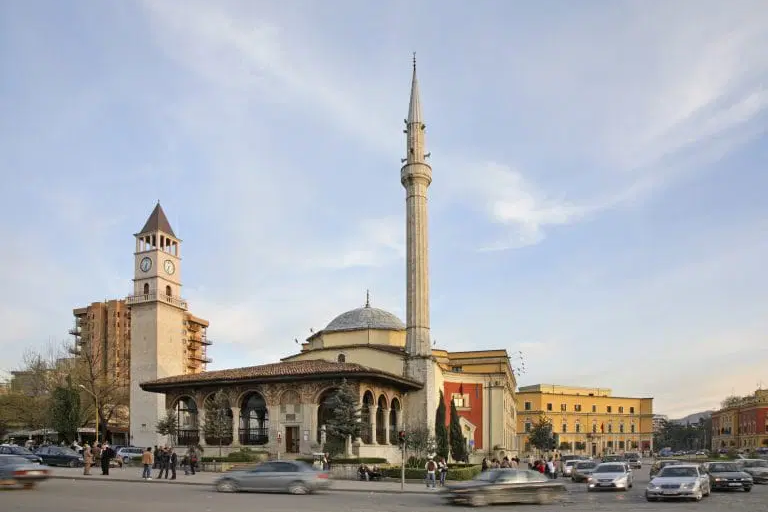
[[187, 433], [341, 358], [365, 418], [168, 290], [324, 412], [381, 420], [254, 420], [394, 420], [146, 288]]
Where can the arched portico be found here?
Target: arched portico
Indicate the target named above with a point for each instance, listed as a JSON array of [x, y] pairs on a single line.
[[254, 420], [187, 433]]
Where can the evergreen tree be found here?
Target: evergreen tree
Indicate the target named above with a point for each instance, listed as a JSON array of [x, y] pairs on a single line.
[[441, 431], [344, 421], [540, 435], [218, 419], [457, 440], [66, 411]]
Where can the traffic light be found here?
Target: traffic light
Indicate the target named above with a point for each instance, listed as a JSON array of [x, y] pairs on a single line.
[[401, 437]]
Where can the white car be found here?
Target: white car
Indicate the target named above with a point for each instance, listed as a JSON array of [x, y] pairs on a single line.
[[683, 481], [610, 476], [129, 453], [568, 466]]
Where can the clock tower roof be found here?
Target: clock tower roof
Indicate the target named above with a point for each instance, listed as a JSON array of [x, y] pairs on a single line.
[[157, 221]]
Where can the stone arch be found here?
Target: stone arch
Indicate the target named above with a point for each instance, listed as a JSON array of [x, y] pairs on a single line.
[[240, 397], [218, 421], [290, 397], [382, 420], [324, 412], [366, 414], [254, 419], [187, 430], [146, 289], [395, 413], [366, 389]]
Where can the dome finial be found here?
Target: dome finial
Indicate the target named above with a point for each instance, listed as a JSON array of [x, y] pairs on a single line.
[[367, 298]]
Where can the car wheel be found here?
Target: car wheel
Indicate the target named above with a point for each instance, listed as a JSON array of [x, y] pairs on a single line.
[[747, 489], [298, 488], [543, 497], [72, 464], [477, 500], [226, 486]]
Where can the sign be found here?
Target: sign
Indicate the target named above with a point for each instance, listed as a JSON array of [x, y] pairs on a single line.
[[306, 435]]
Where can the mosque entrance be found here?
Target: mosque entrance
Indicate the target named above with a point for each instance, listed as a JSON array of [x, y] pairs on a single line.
[[292, 439]]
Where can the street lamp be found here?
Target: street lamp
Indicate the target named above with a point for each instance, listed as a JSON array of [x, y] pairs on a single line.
[[96, 400]]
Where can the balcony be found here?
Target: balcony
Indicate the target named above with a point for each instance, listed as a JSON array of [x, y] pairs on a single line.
[[133, 300], [202, 359], [75, 332]]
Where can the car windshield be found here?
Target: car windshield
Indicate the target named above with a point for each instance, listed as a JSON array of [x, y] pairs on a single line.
[[723, 467], [757, 464], [609, 468], [677, 472], [20, 450], [67, 451], [12, 460], [666, 463], [586, 465]]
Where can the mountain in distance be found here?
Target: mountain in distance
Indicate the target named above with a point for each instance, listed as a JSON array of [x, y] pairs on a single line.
[[693, 418]]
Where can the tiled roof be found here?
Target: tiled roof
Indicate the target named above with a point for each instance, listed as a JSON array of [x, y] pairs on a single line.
[[157, 221], [392, 349], [289, 370]]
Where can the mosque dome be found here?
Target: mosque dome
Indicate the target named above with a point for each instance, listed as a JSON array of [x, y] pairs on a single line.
[[365, 318]]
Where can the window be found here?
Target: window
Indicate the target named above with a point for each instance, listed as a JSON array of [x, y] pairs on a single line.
[[456, 369], [146, 288], [621, 410], [632, 428], [621, 428], [527, 406], [341, 358], [610, 428], [549, 407], [528, 426], [563, 407], [594, 408], [168, 290], [578, 428], [609, 409], [565, 428], [460, 400], [631, 410], [594, 428], [577, 407]]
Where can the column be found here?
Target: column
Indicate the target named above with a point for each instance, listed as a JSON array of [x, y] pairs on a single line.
[[235, 426], [201, 426], [374, 413], [386, 426]]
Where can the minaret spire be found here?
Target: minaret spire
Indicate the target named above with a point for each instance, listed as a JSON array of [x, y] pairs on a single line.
[[414, 108]]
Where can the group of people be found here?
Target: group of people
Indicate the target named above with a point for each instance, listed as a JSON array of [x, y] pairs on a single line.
[[548, 467], [103, 453], [436, 472], [494, 463], [166, 460]]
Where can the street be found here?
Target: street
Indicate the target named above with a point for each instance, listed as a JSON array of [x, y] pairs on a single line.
[[87, 495]]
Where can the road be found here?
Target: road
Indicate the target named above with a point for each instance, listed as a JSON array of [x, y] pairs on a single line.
[[87, 496]]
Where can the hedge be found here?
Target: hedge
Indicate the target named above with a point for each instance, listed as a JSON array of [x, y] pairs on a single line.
[[362, 460], [456, 473], [240, 456]]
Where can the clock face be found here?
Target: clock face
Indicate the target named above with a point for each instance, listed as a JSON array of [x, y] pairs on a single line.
[[146, 264], [169, 267]]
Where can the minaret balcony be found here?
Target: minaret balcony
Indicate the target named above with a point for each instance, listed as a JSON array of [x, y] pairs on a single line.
[[133, 300]]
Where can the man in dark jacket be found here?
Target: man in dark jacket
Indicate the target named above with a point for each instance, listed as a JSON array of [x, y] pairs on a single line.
[[173, 462], [107, 454]]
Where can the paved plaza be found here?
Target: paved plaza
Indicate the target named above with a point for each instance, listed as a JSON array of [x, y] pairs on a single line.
[[118, 493]]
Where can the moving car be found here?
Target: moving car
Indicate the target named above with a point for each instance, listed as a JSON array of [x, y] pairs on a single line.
[[20, 451], [634, 461], [505, 486], [728, 476], [613, 458], [290, 476], [679, 481], [568, 467], [59, 456], [756, 468], [582, 470], [19, 471], [610, 476], [128, 453], [660, 464]]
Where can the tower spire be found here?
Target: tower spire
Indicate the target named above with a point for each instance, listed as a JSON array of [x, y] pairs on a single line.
[[414, 108], [414, 125]]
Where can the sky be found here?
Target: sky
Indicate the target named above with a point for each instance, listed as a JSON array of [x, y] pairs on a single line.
[[599, 173]]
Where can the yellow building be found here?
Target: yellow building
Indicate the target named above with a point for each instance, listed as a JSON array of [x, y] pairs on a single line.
[[586, 420]]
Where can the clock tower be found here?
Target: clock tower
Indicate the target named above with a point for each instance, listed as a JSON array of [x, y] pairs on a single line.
[[157, 323]]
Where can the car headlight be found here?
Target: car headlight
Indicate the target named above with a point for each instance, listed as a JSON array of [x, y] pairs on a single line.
[[689, 485], [620, 479], [653, 487], [591, 480]]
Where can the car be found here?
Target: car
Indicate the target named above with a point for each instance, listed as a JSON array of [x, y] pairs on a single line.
[[613, 458], [60, 456], [505, 486], [756, 468], [17, 470], [610, 476], [20, 451], [582, 470], [128, 453], [294, 477], [679, 481], [568, 467], [660, 464], [634, 461], [728, 476]]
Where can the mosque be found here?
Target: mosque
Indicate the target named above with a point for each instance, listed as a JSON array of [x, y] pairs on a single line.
[[392, 365]]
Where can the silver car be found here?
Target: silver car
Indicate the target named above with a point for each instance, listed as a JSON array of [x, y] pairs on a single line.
[[568, 466], [290, 476], [20, 471], [757, 468], [610, 476], [684, 481]]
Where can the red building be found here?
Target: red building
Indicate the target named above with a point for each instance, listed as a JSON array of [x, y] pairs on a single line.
[[742, 424]]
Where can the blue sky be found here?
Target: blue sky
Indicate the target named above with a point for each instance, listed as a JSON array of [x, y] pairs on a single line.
[[598, 194]]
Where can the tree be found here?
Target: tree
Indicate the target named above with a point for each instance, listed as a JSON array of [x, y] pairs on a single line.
[[218, 420], [457, 440], [420, 443], [731, 401], [168, 426], [541, 435], [441, 431], [344, 421], [66, 411]]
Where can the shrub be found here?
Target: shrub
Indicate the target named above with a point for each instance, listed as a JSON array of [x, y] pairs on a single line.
[[355, 461], [243, 455]]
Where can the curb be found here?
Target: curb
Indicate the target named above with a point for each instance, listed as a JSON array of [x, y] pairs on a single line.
[[201, 484]]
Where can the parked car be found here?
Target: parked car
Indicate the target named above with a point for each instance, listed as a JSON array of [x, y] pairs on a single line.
[[128, 453], [728, 476], [679, 481], [661, 464], [582, 470], [610, 476], [19, 470], [20, 451], [613, 458], [505, 486], [634, 460], [295, 477], [568, 467], [756, 468], [59, 456]]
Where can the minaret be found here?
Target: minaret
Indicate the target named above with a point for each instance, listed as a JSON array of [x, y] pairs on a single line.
[[416, 176]]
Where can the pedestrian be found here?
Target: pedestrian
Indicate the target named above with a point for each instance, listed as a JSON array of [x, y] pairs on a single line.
[[173, 462], [106, 456], [156, 458], [550, 469], [484, 464], [192, 454], [147, 460], [87, 459], [442, 466], [431, 468], [164, 463]]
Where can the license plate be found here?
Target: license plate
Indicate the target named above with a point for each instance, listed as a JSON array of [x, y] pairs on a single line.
[[733, 484], [668, 492], [605, 485]]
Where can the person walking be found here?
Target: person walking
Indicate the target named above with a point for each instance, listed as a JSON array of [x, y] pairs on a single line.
[[87, 459], [192, 456], [164, 463], [442, 466], [173, 461], [147, 460], [431, 468], [107, 453]]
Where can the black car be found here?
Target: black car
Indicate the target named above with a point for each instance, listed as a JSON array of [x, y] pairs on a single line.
[[20, 451], [60, 456], [728, 476], [505, 486]]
